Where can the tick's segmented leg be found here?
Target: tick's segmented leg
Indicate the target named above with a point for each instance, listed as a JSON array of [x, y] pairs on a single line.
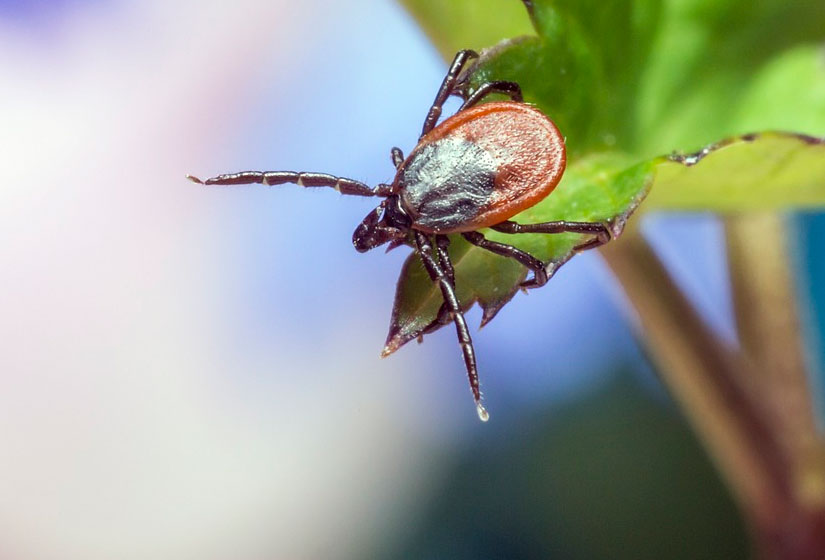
[[539, 269], [438, 275], [302, 179], [597, 241], [446, 88], [507, 88], [442, 242], [397, 157], [600, 231]]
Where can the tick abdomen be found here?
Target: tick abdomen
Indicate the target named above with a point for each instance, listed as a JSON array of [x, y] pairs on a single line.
[[481, 167]]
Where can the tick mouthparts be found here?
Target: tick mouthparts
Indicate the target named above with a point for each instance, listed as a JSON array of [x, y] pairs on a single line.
[[483, 415]]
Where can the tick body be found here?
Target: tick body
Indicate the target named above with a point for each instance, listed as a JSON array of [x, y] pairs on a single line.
[[475, 170], [480, 167]]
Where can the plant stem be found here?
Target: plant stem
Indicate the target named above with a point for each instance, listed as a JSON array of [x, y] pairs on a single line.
[[708, 380], [770, 335]]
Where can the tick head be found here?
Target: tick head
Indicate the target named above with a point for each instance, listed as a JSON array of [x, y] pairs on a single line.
[[388, 222]]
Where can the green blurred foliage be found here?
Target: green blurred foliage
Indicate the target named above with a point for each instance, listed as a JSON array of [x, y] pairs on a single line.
[[647, 77], [453, 26]]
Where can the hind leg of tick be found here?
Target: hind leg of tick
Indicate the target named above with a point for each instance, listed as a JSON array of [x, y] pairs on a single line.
[[600, 229], [442, 242], [532, 263], [542, 272], [438, 275]]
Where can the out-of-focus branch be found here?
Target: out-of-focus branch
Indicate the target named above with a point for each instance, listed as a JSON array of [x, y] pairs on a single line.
[[707, 379], [770, 335]]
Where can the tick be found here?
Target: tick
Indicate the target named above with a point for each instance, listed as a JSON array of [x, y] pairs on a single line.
[[475, 170]]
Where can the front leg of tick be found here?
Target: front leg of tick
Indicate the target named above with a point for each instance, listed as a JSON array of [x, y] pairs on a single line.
[[510, 89], [397, 157], [301, 178], [446, 89], [439, 275]]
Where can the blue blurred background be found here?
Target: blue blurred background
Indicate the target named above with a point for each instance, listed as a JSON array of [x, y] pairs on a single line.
[[190, 372]]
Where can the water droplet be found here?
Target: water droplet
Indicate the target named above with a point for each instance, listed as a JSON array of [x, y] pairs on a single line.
[[483, 415]]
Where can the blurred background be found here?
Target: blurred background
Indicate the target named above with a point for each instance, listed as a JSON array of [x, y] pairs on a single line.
[[190, 372]]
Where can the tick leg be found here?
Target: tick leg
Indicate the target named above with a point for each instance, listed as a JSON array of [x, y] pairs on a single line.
[[600, 231], [507, 88], [442, 242], [438, 275], [397, 157], [539, 269], [302, 179], [446, 88]]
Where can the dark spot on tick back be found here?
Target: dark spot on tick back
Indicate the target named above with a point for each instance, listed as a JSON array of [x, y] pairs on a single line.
[[447, 183]]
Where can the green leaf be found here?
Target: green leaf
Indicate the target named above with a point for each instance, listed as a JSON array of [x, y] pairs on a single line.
[[786, 93], [464, 24], [756, 172], [597, 189], [705, 62]]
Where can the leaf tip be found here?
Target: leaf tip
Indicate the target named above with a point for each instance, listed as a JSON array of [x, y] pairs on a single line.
[[488, 313], [399, 336], [394, 342]]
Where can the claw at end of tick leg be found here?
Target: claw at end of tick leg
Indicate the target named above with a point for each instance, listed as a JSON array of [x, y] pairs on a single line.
[[483, 415], [194, 179]]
